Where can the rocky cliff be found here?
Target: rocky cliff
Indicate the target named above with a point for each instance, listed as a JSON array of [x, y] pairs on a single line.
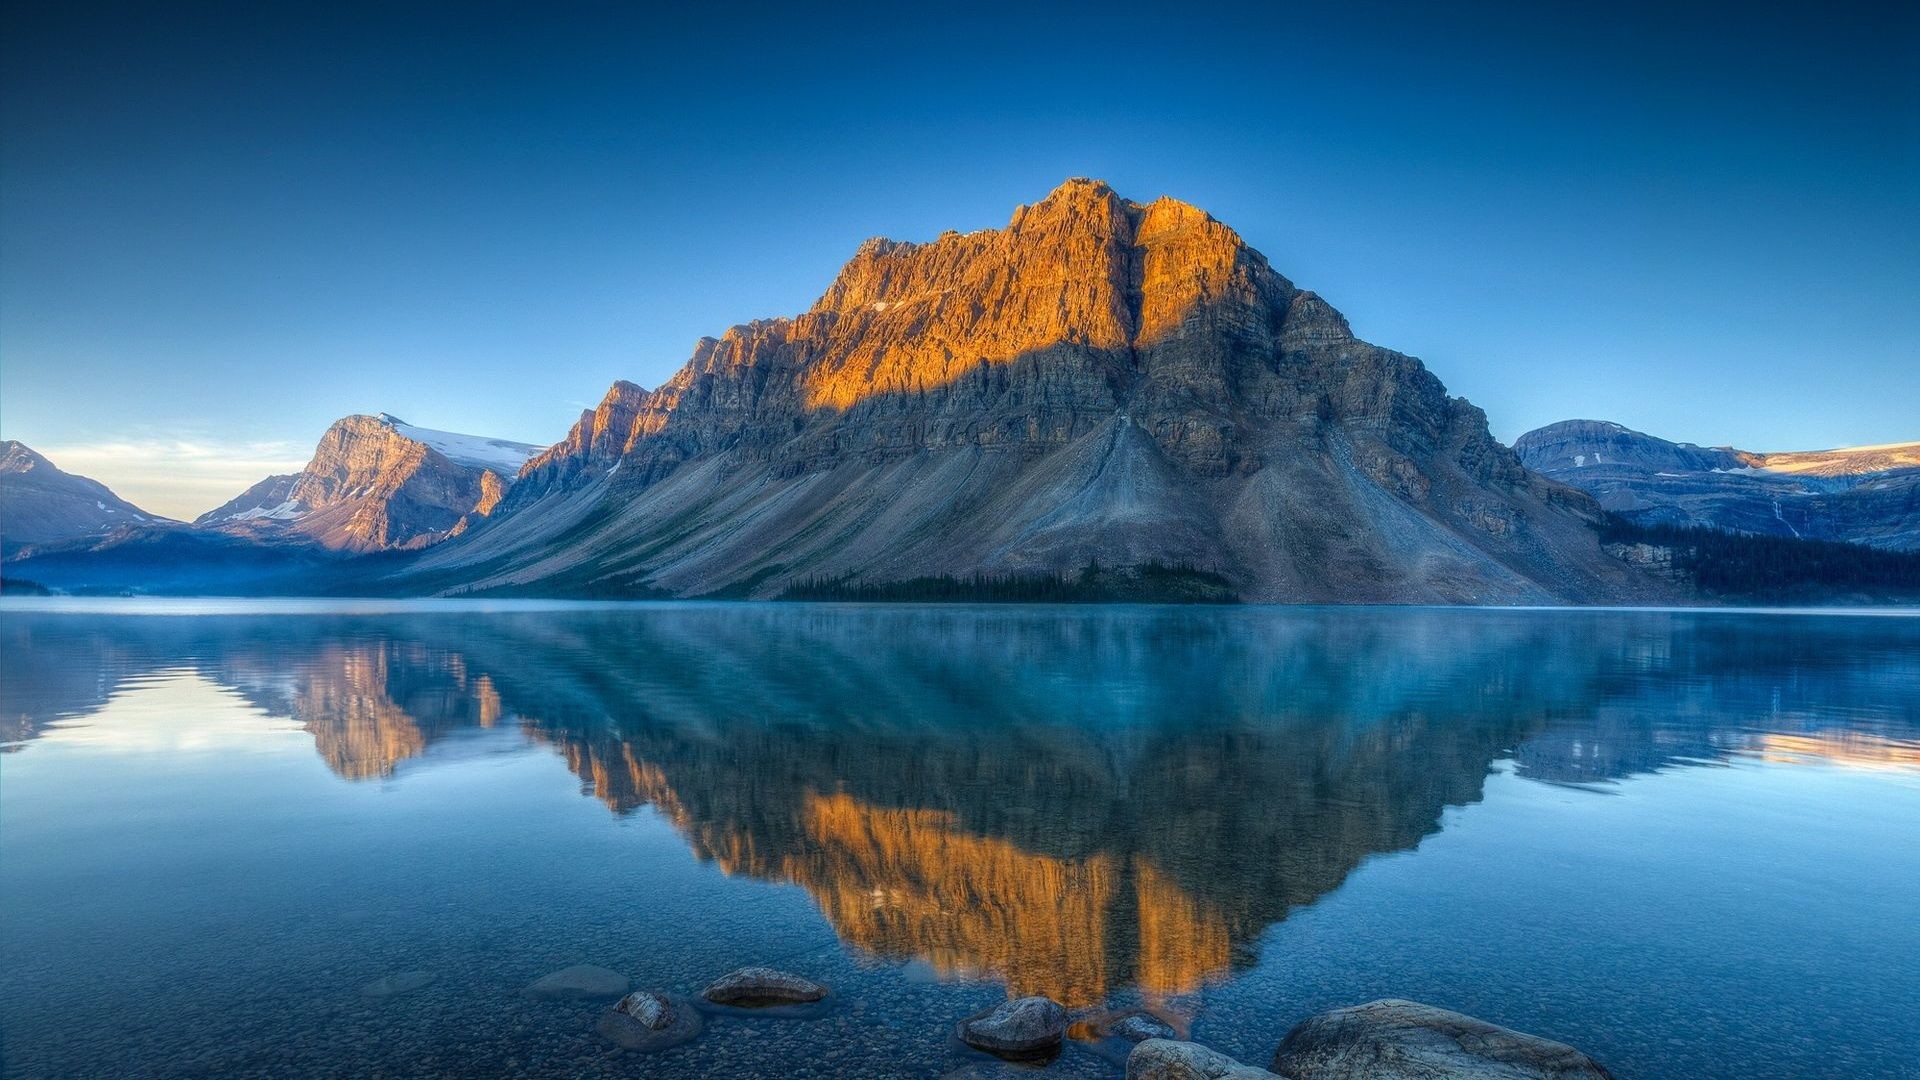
[[1867, 494], [378, 483], [1101, 380], [41, 504]]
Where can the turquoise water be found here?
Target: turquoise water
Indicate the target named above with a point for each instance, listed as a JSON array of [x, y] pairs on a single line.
[[1688, 843]]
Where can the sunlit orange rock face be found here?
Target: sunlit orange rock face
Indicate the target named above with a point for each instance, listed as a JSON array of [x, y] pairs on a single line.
[[911, 883], [908, 883], [1100, 380]]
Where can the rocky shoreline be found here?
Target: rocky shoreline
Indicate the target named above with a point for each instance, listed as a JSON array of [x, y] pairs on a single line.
[[1389, 1039]]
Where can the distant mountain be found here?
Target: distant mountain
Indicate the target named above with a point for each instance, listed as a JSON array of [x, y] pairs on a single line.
[[1102, 382], [41, 504], [1866, 494], [378, 483]]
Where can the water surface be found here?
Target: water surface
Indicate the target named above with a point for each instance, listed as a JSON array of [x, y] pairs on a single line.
[[1685, 842]]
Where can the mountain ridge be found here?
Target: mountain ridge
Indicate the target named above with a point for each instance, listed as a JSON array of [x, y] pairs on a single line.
[[42, 503], [1866, 494], [1100, 381], [377, 483]]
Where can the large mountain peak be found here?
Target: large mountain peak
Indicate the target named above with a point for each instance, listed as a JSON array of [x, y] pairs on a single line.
[[1100, 380]]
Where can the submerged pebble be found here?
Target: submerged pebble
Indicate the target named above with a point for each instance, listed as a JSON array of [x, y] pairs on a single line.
[[398, 983], [581, 982], [1139, 1027]]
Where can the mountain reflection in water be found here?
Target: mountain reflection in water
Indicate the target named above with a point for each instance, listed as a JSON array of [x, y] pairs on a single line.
[[1073, 802]]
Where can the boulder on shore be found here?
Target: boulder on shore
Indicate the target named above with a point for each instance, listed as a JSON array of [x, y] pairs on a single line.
[[755, 986], [1405, 1040], [1166, 1059], [647, 1021], [1023, 1027], [581, 982]]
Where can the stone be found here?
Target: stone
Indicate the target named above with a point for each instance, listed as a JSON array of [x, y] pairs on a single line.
[[581, 982], [1139, 1027], [1023, 1027], [402, 982], [1166, 1059], [647, 1021], [749, 987], [1405, 1040]]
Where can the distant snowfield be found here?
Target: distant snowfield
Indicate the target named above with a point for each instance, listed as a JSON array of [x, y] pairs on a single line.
[[476, 451]]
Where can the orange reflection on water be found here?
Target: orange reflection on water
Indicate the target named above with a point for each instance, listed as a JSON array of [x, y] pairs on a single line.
[[1859, 750], [911, 883]]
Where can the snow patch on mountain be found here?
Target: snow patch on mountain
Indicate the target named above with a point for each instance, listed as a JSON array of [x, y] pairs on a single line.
[[501, 456]]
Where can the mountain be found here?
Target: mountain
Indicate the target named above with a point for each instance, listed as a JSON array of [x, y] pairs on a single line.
[[378, 483], [41, 504], [1866, 494], [1101, 382]]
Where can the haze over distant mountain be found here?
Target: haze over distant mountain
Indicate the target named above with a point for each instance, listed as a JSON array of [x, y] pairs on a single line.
[[1099, 382], [377, 483], [40, 504], [1864, 494]]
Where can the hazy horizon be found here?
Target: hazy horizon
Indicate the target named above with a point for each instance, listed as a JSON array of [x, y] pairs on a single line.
[[219, 235]]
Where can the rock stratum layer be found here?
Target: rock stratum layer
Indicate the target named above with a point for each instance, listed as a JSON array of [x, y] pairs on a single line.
[[377, 483], [1864, 494], [1100, 381]]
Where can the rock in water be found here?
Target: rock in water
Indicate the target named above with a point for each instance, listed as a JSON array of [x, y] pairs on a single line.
[[646, 1021], [753, 986], [1023, 1027], [1405, 1040], [579, 983], [1165, 1059], [397, 983], [1139, 1027]]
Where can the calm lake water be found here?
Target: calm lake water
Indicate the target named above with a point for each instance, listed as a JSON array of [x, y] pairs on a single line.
[[1688, 843]]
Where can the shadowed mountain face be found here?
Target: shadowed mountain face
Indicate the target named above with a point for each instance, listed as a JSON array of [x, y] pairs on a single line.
[[1101, 380], [1867, 494], [41, 504], [1075, 804]]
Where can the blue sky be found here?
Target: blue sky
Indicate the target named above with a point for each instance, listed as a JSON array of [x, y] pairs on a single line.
[[221, 227]]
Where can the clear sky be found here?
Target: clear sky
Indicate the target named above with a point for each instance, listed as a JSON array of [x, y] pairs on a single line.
[[221, 227]]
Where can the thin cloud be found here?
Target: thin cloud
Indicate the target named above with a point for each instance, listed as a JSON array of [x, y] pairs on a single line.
[[179, 477]]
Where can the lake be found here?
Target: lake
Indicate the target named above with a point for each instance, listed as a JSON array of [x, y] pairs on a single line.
[[1687, 843]]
